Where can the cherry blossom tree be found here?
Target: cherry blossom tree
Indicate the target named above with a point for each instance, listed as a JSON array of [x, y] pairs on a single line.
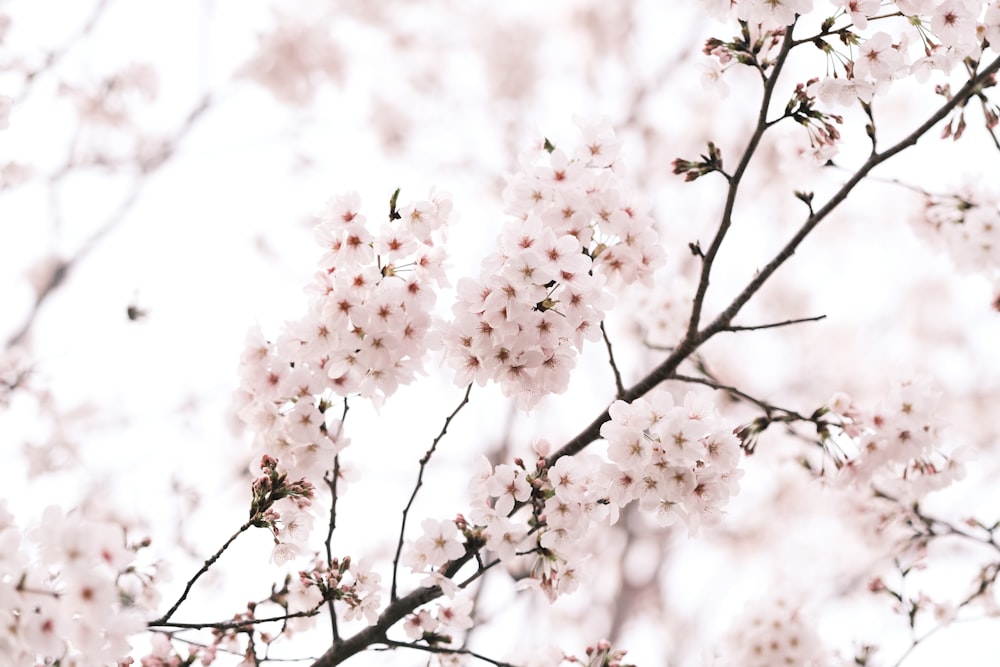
[[707, 378]]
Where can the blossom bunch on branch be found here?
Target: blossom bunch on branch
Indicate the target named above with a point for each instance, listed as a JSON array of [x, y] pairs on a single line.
[[70, 590], [577, 235], [896, 444]]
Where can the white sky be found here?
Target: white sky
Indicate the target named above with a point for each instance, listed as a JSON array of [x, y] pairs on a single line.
[[220, 239]]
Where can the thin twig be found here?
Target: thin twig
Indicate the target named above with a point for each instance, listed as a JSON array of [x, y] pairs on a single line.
[[773, 325], [480, 571], [332, 483], [830, 32], [54, 56], [420, 482], [735, 181], [619, 387], [117, 218], [204, 568], [736, 393], [235, 625], [444, 650]]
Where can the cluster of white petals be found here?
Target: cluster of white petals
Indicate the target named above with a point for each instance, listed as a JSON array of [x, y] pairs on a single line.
[[577, 233], [770, 13], [773, 633], [358, 592], [896, 442], [968, 223], [365, 332], [69, 591], [450, 617], [678, 461], [910, 38], [928, 36], [557, 508], [438, 545]]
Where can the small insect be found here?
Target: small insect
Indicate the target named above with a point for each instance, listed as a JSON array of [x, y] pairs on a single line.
[[135, 313]]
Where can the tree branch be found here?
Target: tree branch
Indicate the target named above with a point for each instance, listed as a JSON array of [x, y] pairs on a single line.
[[966, 91], [204, 568], [374, 634], [694, 339], [332, 483], [235, 625], [420, 481], [398, 608], [736, 179], [118, 217], [445, 650], [619, 387], [774, 325]]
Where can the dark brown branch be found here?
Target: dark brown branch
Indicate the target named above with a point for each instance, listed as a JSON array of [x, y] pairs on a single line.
[[375, 634], [483, 569], [392, 614], [619, 387]]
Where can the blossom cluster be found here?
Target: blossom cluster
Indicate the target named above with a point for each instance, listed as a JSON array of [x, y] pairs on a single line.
[[429, 554], [353, 588], [661, 317], [945, 25], [365, 331], [70, 591], [293, 58], [280, 505], [969, 225], [773, 633], [545, 514], [895, 442], [352, 585], [919, 37], [441, 628], [577, 232], [678, 461]]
